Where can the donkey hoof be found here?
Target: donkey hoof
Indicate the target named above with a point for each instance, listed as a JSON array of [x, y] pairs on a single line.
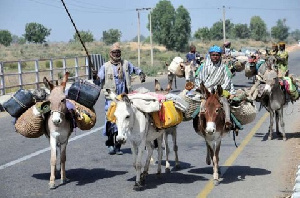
[[284, 139], [137, 186], [63, 181], [177, 166], [51, 185], [269, 138], [167, 170], [216, 182]]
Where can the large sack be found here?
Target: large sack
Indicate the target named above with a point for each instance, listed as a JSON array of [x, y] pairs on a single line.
[[175, 64], [85, 117], [19, 103], [84, 93], [145, 102], [168, 115], [31, 123], [110, 116], [245, 112]]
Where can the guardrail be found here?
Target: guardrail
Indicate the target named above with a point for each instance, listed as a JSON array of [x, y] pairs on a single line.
[[28, 74]]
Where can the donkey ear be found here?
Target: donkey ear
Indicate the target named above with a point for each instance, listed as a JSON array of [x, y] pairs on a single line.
[[219, 90], [111, 95], [48, 84], [65, 79], [157, 85], [203, 90], [126, 99]]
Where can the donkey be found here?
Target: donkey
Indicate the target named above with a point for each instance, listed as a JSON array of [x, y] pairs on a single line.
[[58, 127], [210, 124], [136, 125], [273, 99], [172, 131]]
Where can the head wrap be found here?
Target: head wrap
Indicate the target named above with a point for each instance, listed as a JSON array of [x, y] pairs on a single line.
[[227, 43], [113, 58], [215, 48], [115, 46], [281, 43]]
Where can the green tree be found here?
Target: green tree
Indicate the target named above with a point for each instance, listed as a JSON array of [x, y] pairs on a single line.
[[203, 34], [142, 38], [258, 29], [163, 20], [241, 31], [5, 37], [111, 36], [296, 34], [216, 31], [182, 29], [36, 33], [280, 31], [86, 36]]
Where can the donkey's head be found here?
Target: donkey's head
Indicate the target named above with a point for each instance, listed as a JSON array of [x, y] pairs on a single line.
[[272, 81], [211, 115], [57, 99], [124, 118]]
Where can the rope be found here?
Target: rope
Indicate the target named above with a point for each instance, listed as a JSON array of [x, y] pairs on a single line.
[[19, 102], [82, 43]]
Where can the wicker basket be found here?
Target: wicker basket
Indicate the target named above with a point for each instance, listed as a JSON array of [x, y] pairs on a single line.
[[30, 125], [193, 104], [239, 66], [85, 117], [245, 112]]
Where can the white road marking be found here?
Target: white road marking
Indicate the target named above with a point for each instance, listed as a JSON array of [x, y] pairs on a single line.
[[46, 149]]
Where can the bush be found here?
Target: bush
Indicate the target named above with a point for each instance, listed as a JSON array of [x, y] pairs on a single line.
[[59, 64]]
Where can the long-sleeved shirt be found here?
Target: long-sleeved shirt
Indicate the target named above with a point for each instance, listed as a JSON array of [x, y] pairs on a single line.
[[120, 87], [213, 75]]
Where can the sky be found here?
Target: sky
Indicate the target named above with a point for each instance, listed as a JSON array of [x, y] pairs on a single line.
[[101, 15]]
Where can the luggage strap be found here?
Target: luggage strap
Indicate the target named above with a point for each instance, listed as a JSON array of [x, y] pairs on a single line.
[[19, 102]]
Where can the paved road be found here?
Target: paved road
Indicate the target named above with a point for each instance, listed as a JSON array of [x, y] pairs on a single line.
[[255, 169]]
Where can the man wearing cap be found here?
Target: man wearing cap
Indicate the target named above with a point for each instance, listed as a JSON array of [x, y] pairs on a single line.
[[116, 76], [213, 72], [282, 58], [193, 55], [227, 49]]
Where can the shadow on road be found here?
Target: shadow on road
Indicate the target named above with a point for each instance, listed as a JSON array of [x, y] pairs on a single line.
[[83, 176], [153, 180], [238, 173]]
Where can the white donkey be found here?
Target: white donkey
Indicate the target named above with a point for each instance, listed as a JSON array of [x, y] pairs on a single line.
[[136, 126], [58, 128]]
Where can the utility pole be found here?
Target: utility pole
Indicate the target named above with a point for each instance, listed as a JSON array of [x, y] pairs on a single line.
[[151, 39], [224, 34], [139, 47]]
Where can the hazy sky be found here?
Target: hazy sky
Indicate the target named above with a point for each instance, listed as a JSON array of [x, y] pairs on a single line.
[[100, 15]]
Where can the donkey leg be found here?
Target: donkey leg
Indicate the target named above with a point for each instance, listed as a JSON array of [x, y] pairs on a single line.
[[148, 159], [167, 151], [271, 125], [52, 162], [138, 164], [63, 178], [280, 114], [175, 148], [216, 162], [159, 150], [208, 154]]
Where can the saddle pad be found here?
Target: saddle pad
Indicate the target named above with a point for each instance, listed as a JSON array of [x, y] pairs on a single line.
[[168, 116]]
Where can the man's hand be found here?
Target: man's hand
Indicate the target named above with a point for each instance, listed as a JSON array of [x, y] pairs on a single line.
[[231, 97], [142, 77]]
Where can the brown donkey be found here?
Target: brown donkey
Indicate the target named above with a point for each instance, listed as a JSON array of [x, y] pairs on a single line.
[[58, 127], [211, 126]]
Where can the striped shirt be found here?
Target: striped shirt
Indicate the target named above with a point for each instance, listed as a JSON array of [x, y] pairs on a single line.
[[213, 75]]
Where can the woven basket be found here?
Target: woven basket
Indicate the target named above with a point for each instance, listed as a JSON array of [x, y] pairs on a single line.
[[193, 104], [30, 125], [83, 122], [239, 66], [245, 112]]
